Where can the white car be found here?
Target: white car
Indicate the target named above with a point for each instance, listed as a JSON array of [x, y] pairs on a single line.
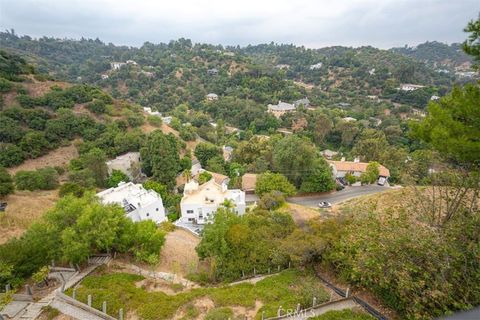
[[324, 204]]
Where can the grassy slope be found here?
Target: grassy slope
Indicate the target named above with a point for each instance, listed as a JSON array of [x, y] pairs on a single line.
[[119, 290]]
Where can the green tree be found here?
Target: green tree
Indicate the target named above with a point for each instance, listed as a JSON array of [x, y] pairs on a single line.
[[6, 182], [95, 161], [320, 179], [203, 177], [471, 46], [294, 157], [371, 173], [370, 145], [268, 182], [205, 151], [116, 177], [452, 125], [161, 158]]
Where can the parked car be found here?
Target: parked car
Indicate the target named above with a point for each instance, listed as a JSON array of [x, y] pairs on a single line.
[[3, 206], [324, 204]]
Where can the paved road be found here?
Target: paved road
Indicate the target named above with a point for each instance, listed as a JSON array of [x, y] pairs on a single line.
[[339, 196]]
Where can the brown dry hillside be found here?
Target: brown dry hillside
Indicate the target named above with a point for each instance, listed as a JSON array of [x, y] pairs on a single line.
[[24, 207]]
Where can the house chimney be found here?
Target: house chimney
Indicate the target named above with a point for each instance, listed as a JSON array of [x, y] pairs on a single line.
[[343, 159], [356, 159]]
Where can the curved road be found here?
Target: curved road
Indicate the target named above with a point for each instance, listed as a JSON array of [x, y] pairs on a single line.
[[339, 196]]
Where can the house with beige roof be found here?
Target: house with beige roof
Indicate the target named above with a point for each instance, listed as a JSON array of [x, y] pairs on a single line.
[[200, 202], [249, 182], [281, 108], [356, 168]]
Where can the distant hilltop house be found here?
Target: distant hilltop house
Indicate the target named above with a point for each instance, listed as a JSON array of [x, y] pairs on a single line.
[[212, 97], [329, 154], [419, 112], [104, 76], [281, 108], [356, 168], [131, 62], [372, 97], [151, 112], [128, 163], [147, 74], [302, 102], [200, 202], [139, 204], [229, 54], [434, 98], [410, 87], [343, 104], [117, 65], [212, 72], [249, 182], [371, 72], [167, 120], [316, 66], [465, 74], [282, 66], [227, 153], [349, 119], [442, 71]]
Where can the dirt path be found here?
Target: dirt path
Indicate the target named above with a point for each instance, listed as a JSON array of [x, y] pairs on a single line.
[[178, 254]]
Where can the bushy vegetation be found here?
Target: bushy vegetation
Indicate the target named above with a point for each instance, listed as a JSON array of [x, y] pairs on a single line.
[[237, 244], [40, 179], [73, 230], [6, 183], [119, 290]]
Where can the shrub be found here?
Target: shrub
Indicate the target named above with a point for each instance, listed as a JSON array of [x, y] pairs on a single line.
[[97, 107], [154, 120], [72, 189], [203, 177], [40, 179], [116, 177], [6, 182], [271, 200]]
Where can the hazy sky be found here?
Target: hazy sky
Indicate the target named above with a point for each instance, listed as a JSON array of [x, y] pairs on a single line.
[[313, 23]]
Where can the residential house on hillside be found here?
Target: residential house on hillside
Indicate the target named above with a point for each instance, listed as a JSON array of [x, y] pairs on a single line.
[[281, 108], [117, 65], [212, 97], [410, 87], [131, 62], [139, 204], [316, 66], [282, 66], [128, 163], [167, 120], [249, 182], [349, 119], [200, 202], [302, 102], [149, 111], [212, 72], [329, 154], [104, 76], [356, 168], [227, 153]]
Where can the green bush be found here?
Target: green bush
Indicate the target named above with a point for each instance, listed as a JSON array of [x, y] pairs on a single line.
[[6, 183], [271, 200], [219, 314], [40, 179]]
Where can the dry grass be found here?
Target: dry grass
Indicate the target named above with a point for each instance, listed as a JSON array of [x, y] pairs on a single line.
[[301, 214], [178, 254], [24, 207], [58, 157]]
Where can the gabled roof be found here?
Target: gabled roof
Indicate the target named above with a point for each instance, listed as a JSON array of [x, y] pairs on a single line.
[[357, 167], [281, 106]]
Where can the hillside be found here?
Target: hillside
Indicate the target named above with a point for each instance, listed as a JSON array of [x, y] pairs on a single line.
[[437, 55]]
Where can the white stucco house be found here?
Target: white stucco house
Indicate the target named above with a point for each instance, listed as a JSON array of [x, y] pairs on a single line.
[[356, 168], [117, 65], [410, 87], [128, 163], [200, 202], [139, 204], [212, 97]]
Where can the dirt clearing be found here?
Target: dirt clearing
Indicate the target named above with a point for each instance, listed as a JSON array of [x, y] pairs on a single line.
[[178, 254]]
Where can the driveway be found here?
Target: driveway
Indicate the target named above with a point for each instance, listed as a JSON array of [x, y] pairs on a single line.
[[339, 196]]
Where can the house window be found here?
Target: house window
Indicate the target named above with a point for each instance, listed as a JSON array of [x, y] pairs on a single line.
[[191, 219], [148, 214], [190, 211], [200, 215], [156, 209]]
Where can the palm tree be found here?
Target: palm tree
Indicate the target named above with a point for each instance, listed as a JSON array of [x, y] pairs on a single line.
[[187, 174]]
